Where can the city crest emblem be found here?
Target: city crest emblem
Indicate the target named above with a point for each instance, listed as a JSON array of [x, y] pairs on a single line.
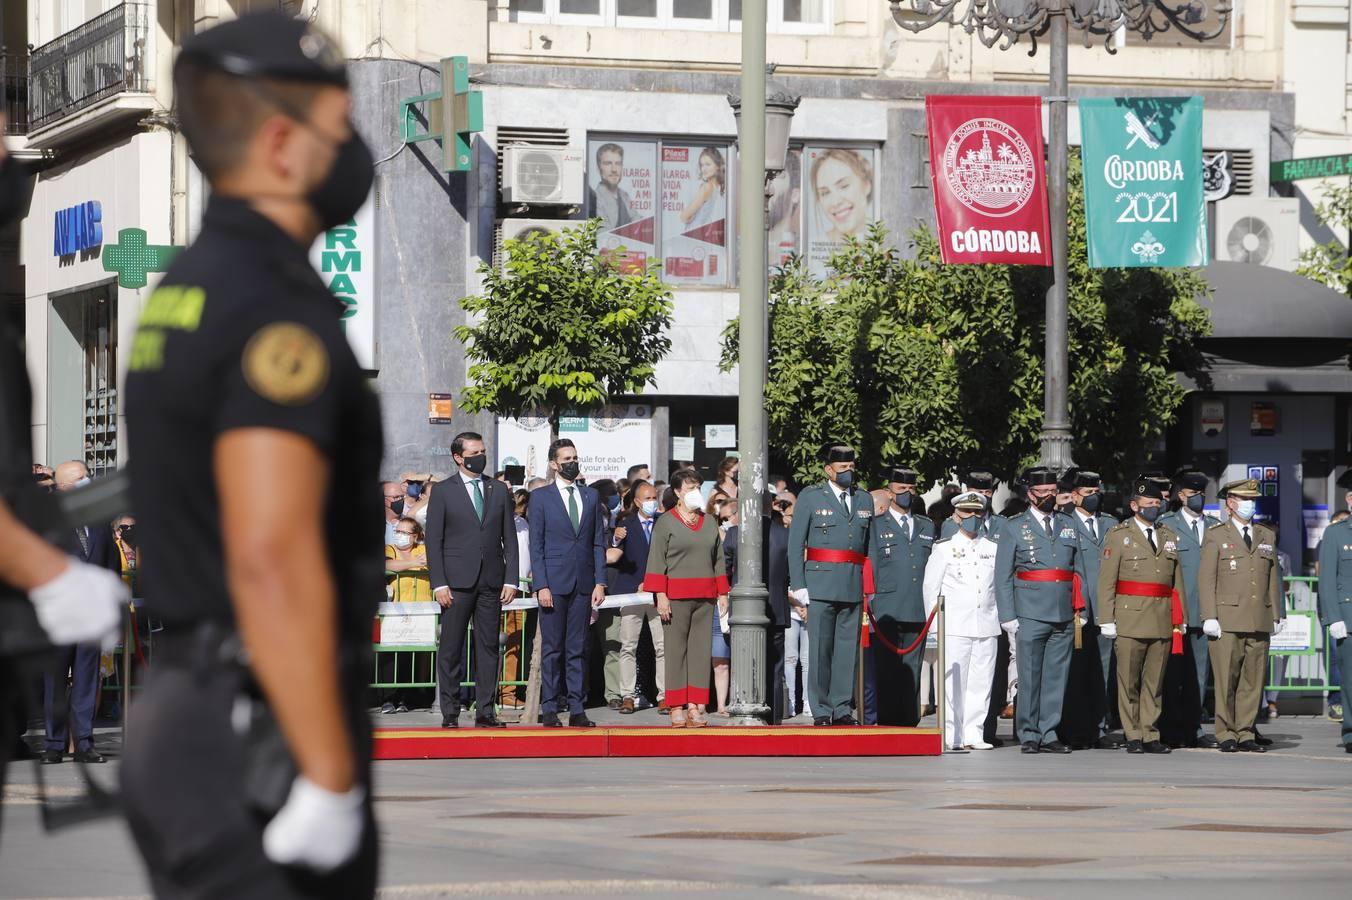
[[989, 167]]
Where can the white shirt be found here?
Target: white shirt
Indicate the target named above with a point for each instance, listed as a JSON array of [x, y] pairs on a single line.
[[842, 496], [1154, 530], [1240, 526], [903, 521], [1086, 519], [962, 569], [564, 487]]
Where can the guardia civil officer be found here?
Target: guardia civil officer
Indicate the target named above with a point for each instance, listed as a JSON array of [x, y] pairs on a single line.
[[1186, 677], [1335, 599], [1140, 587], [1240, 584], [1089, 695], [828, 540], [257, 488], [1038, 578], [899, 548]]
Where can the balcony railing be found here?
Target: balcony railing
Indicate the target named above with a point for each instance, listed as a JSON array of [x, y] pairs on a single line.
[[14, 90], [105, 56]]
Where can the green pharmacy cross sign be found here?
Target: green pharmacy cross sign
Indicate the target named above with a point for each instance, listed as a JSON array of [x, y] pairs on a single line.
[[132, 258], [454, 114], [1311, 167]]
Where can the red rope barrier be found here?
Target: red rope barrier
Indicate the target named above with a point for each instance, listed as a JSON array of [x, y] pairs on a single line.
[[900, 651]]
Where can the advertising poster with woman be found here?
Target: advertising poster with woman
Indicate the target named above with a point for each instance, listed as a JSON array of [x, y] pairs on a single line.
[[695, 214], [842, 201], [621, 189], [786, 211]]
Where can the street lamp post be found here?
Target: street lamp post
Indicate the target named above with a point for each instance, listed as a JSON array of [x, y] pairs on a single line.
[[1004, 22], [763, 145]]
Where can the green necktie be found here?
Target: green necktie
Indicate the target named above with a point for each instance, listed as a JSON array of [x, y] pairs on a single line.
[[573, 512], [478, 500]]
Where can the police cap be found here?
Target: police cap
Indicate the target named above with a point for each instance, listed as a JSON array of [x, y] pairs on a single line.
[[981, 479], [903, 475], [1245, 488], [1145, 486], [970, 501], [267, 44], [1191, 479], [1037, 476], [1158, 478], [834, 453], [1087, 479], [1066, 482]]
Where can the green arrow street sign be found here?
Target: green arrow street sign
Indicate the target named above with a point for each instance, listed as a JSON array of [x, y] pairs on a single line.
[[132, 258], [453, 114], [1311, 167]]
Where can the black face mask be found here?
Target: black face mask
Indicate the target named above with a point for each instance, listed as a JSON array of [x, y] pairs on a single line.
[[1092, 503], [845, 480], [1196, 503], [397, 507], [903, 500], [337, 198], [129, 535], [476, 464], [1046, 504], [1066, 508], [1149, 513], [570, 470]]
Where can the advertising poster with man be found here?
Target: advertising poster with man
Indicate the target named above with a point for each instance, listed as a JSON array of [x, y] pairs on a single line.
[[621, 184], [842, 200], [695, 214]]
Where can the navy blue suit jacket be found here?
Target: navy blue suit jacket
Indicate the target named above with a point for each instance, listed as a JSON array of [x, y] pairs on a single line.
[[627, 574], [563, 560]]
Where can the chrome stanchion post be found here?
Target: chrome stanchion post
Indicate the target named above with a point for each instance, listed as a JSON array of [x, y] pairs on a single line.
[[940, 675]]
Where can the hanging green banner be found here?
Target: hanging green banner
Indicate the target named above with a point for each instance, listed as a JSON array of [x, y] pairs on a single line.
[[1143, 193]]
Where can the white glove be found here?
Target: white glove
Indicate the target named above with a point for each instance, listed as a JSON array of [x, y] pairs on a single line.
[[1108, 630], [1082, 620], [800, 595], [1212, 628], [317, 828], [1338, 631], [1277, 625], [81, 605], [1011, 627]]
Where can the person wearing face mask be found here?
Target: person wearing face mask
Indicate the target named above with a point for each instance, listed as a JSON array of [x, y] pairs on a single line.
[[256, 477], [727, 476], [394, 507], [1090, 691], [899, 549], [1186, 677], [962, 571], [982, 481], [828, 543], [1140, 608], [637, 520], [1039, 573], [1240, 587], [406, 570], [1335, 602]]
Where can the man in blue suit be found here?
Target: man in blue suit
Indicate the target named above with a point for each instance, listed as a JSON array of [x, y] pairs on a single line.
[[568, 566], [80, 662]]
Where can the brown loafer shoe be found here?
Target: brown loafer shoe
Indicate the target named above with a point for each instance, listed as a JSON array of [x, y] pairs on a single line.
[[1008, 711], [627, 707]]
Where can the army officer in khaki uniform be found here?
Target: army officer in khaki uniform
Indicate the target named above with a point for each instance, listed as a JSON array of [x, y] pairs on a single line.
[[1140, 590], [1240, 585]]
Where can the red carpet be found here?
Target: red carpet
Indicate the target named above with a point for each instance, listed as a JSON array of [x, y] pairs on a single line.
[[637, 741]]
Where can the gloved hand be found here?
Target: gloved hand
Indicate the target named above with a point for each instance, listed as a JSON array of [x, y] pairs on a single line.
[[1212, 628], [81, 605], [1277, 625], [800, 595], [1011, 627], [316, 829], [1108, 630], [1338, 631]]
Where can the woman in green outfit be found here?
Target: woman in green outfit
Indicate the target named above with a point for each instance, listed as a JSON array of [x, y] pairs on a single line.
[[686, 571]]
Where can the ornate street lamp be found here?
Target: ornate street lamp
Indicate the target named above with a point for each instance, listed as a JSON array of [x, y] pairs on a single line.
[[1005, 22]]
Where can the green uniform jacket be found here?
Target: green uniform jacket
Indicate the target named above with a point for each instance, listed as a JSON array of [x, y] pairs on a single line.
[[1190, 555], [1241, 588], [1335, 575], [820, 521], [1127, 557], [1025, 546], [899, 568], [990, 526], [1091, 550]]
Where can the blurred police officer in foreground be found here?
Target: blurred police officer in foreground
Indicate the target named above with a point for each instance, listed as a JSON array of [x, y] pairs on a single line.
[[1335, 600], [255, 479]]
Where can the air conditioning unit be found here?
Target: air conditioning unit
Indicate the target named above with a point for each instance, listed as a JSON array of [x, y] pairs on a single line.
[[1263, 231], [543, 175], [521, 229]]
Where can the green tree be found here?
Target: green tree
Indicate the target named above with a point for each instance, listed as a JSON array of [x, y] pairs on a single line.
[[1330, 264], [558, 328], [940, 366]]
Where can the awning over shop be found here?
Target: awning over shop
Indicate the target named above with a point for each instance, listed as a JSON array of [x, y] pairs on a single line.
[[1251, 301]]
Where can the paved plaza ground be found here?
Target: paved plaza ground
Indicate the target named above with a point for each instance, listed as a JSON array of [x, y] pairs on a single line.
[[1093, 824]]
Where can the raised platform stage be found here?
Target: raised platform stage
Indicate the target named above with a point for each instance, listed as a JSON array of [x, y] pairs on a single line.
[[639, 741]]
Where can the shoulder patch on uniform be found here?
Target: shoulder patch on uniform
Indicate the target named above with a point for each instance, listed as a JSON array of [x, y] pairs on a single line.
[[287, 363]]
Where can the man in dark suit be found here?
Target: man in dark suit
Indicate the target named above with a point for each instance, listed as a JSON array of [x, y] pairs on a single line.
[[775, 568], [78, 662], [472, 560], [568, 568]]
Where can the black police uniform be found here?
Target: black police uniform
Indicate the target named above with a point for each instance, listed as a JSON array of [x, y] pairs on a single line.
[[241, 333]]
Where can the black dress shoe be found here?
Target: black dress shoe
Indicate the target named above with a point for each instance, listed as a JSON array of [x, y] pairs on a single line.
[[1135, 747], [1029, 747], [845, 720], [89, 757], [52, 757], [1054, 747], [1109, 742], [1252, 747], [821, 720], [551, 720], [580, 720], [450, 723], [1259, 739], [1207, 741], [1228, 746], [489, 722], [1347, 748], [1157, 747]]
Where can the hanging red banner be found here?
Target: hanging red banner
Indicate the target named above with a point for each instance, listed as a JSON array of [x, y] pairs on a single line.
[[990, 181]]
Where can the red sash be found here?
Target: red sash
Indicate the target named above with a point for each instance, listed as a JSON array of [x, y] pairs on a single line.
[[1159, 592], [1045, 575]]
